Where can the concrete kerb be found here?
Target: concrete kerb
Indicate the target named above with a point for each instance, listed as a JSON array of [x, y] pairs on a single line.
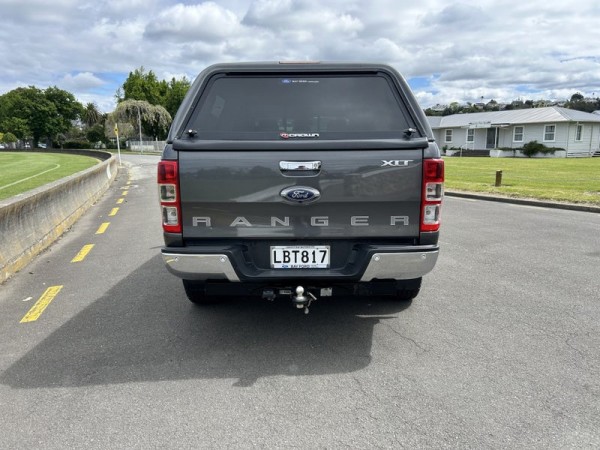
[[31, 222], [524, 201]]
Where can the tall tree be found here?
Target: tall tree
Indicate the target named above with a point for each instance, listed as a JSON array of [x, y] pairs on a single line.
[[155, 120], [30, 111], [175, 93], [577, 97], [144, 85], [68, 110], [34, 113], [91, 115]]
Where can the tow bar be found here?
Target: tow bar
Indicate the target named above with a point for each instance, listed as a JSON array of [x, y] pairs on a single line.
[[303, 301]]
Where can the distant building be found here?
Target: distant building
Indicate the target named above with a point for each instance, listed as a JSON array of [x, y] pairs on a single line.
[[577, 132]]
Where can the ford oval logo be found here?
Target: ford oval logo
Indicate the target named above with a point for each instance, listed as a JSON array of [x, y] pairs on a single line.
[[300, 194]]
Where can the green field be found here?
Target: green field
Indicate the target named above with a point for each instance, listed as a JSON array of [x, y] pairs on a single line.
[[20, 172], [573, 180]]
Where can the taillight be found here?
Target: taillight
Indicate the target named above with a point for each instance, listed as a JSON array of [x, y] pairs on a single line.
[[168, 194], [433, 192]]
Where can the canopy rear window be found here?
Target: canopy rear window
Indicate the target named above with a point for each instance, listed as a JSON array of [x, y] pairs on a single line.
[[264, 107]]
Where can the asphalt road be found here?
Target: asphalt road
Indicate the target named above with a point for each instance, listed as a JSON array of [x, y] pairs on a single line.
[[500, 350]]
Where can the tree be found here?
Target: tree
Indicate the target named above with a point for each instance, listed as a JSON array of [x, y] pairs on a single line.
[[16, 126], [67, 107], [155, 119], [95, 133], [9, 139], [144, 85], [30, 110], [576, 97], [175, 93], [34, 113], [91, 115], [492, 105]]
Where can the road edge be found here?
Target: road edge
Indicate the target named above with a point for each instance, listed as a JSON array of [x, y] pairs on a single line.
[[525, 201]]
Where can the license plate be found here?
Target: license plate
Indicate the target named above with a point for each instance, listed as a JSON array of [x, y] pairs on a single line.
[[300, 257]]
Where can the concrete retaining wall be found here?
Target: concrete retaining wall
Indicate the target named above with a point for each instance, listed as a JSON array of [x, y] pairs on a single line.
[[31, 222]]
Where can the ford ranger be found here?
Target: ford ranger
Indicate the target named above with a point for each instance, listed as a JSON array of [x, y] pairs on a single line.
[[300, 180]]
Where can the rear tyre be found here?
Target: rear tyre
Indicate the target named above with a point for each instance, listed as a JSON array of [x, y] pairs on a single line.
[[408, 290], [196, 292]]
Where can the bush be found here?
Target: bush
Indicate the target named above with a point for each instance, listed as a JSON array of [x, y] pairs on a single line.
[[113, 145], [9, 138], [77, 144], [533, 147]]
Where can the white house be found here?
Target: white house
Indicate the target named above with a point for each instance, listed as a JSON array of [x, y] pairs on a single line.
[[575, 131]]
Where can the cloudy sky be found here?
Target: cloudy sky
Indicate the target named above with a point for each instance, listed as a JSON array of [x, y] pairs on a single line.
[[448, 50]]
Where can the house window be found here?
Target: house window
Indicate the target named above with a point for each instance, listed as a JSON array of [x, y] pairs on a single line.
[[579, 133], [518, 134], [471, 135], [448, 137], [549, 133]]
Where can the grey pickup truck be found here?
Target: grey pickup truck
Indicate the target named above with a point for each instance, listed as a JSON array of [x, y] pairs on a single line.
[[302, 181]]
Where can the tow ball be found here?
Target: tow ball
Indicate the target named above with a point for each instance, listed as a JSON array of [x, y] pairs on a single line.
[[303, 301]]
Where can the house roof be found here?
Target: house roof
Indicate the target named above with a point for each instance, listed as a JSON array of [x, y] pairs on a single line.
[[551, 114]]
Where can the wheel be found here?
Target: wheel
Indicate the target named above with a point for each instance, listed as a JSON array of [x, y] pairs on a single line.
[[196, 292], [407, 290]]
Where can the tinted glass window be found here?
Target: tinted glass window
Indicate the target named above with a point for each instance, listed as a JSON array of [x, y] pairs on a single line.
[[332, 106]]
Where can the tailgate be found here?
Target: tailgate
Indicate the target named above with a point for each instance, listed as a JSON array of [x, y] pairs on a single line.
[[301, 194]]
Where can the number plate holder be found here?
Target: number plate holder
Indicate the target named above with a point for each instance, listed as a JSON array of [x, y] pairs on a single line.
[[300, 256]]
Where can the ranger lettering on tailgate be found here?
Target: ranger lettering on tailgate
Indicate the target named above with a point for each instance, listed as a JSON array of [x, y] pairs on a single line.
[[319, 221]]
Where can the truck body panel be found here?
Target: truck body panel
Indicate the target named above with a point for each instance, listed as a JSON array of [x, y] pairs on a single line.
[[362, 194], [325, 174]]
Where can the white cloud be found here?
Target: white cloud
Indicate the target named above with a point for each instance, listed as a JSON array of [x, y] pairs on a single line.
[[81, 81], [206, 22]]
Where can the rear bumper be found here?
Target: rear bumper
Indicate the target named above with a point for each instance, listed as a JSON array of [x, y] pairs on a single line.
[[200, 267], [411, 263], [400, 266]]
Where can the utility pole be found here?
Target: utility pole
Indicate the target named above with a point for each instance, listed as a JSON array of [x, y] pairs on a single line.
[[140, 128]]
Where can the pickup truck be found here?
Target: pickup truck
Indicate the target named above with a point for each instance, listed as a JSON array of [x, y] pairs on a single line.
[[301, 181]]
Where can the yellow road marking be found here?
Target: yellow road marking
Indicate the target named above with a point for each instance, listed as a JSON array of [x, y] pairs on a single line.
[[113, 212], [82, 253], [120, 201], [36, 310], [103, 228], [124, 193]]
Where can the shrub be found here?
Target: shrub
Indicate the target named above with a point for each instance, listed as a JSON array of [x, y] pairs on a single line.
[[533, 147], [77, 144], [9, 138]]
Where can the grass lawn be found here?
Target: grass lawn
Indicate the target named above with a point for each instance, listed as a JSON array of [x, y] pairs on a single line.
[[20, 172], [573, 180]]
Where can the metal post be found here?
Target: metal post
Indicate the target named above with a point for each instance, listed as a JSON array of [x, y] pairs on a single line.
[[140, 128], [118, 143]]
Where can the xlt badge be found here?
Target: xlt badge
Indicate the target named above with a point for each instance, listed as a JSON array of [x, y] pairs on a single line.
[[396, 162]]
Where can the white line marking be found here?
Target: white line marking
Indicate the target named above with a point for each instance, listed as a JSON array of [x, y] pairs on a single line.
[[29, 178]]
